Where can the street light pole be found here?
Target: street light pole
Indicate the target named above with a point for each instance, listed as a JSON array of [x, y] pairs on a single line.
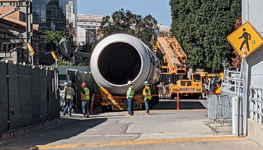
[[29, 26]]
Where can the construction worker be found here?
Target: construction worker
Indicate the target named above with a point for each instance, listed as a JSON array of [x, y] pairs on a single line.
[[147, 96], [85, 99], [69, 94], [130, 95], [218, 88]]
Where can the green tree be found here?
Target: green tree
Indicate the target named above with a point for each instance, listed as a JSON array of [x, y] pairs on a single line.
[[62, 62], [201, 27], [127, 22], [53, 37]]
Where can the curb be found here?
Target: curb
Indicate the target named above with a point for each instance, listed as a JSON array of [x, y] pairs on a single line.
[[18, 132]]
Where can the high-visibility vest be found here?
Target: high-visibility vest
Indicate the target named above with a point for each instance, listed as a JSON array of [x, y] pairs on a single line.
[[69, 93], [132, 92], [86, 90], [218, 90], [149, 95]]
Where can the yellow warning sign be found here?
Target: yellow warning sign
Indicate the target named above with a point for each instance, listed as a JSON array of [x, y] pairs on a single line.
[[245, 40]]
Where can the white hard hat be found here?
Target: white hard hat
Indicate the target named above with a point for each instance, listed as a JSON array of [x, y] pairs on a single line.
[[66, 83], [129, 82], [146, 83], [69, 82]]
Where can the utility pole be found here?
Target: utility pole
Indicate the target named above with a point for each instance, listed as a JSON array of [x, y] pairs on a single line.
[[29, 27], [24, 6]]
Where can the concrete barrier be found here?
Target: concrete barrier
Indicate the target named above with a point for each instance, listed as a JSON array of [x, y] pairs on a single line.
[[255, 131]]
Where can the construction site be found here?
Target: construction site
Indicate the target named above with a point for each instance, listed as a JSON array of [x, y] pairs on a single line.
[[189, 108]]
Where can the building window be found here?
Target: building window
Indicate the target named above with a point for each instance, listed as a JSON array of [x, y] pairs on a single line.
[[23, 16]]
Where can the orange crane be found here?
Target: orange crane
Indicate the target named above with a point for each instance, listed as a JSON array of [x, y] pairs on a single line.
[[174, 57], [175, 69]]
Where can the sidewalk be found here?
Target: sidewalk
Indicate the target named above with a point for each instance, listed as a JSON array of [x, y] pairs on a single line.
[[113, 129]]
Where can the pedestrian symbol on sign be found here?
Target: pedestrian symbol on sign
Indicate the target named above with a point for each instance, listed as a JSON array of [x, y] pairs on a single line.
[[245, 40], [246, 37]]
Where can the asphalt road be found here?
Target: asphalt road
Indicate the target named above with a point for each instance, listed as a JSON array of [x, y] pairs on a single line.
[[165, 128]]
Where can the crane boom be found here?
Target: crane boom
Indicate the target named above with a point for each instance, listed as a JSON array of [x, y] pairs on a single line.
[[173, 55]]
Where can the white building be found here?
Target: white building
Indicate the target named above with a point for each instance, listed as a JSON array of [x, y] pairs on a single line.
[[87, 28], [89, 24], [71, 19]]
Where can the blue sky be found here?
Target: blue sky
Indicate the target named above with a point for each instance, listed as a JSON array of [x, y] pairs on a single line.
[[159, 9]]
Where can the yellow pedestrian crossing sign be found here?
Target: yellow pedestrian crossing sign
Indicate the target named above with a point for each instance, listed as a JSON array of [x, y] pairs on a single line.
[[245, 40]]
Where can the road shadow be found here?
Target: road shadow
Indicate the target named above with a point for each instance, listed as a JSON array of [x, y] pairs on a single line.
[[170, 104], [63, 128]]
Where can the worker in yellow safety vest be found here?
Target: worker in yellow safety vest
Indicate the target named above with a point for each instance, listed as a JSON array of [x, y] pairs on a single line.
[[146, 97], [85, 100], [69, 95], [218, 88], [130, 95]]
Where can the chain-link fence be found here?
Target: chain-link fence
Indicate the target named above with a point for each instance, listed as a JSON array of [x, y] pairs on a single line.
[[28, 96], [219, 108]]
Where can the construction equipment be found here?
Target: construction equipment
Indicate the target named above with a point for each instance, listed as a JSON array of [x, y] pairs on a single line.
[[174, 57], [189, 87], [199, 85], [163, 91], [120, 58], [174, 70], [65, 50], [215, 83]]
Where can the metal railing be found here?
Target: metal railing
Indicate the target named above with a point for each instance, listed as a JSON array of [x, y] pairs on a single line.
[[230, 81], [219, 108], [255, 104]]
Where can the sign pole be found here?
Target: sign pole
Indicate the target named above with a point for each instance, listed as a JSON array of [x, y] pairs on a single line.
[[239, 123], [245, 40]]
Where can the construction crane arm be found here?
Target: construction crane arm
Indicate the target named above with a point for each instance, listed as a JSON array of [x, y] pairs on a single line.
[[173, 55]]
